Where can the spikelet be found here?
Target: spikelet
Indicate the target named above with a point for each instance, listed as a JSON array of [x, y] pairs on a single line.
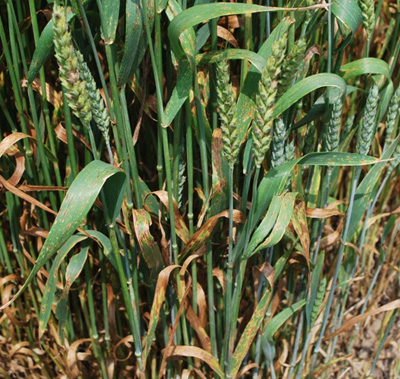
[[333, 129], [291, 65], [368, 15], [318, 300], [348, 125], [393, 112], [278, 143], [267, 91], [99, 111], [227, 108], [364, 135], [75, 87]]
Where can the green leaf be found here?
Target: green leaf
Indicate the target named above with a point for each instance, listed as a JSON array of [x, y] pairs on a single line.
[[216, 56], [133, 35], [348, 12], [106, 245], [304, 87], [186, 37], [265, 226], [79, 199], [44, 48], [273, 183], [75, 267], [109, 21], [180, 92], [202, 13], [277, 321], [277, 227], [365, 66]]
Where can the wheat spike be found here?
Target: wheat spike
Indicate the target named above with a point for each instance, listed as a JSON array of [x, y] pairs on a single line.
[[364, 135], [267, 91], [99, 111], [227, 108], [278, 143], [393, 112], [333, 129], [368, 15], [291, 65], [75, 87]]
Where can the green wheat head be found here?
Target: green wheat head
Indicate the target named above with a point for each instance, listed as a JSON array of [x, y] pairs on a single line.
[[393, 112], [267, 92], [78, 97], [333, 129], [291, 65], [368, 15], [227, 108], [364, 136]]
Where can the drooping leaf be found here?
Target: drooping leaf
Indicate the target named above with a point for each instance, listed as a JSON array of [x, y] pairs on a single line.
[[255, 59], [348, 12], [267, 341], [365, 66], [96, 176]]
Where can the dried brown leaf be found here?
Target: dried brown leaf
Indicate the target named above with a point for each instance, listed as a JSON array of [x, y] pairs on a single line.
[[348, 325]]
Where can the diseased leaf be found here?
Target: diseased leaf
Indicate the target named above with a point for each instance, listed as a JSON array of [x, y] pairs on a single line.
[[109, 21], [250, 332], [201, 236], [195, 352], [355, 320], [220, 172], [159, 297], [148, 246]]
